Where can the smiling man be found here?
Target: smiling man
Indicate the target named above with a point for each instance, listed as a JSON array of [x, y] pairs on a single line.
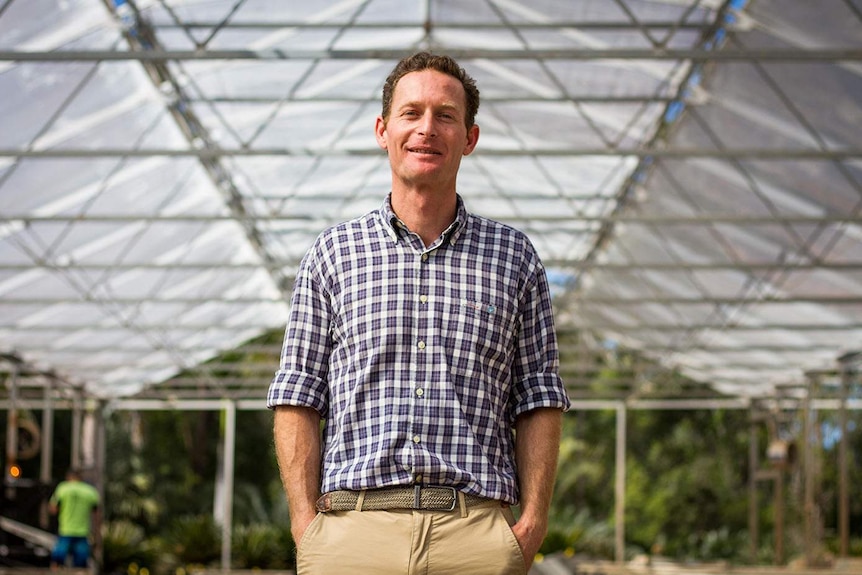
[[423, 336]]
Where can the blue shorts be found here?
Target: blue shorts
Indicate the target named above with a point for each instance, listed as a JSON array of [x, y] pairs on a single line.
[[79, 547]]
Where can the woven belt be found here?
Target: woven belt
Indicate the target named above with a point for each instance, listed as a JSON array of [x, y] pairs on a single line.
[[421, 497]]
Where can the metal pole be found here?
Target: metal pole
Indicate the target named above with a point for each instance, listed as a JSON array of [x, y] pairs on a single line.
[[843, 488], [809, 470], [47, 455], [753, 464], [228, 475], [779, 517], [620, 487], [12, 436], [100, 459], [75, 459]]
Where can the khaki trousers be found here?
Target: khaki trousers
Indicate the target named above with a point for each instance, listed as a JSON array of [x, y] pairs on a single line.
[[473, 541]]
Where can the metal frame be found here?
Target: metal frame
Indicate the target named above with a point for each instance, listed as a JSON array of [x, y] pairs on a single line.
[[583, 237]]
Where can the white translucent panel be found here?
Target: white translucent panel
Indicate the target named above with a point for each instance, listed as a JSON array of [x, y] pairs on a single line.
[[132, 258]]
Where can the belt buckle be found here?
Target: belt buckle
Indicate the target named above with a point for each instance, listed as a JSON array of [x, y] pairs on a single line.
[[417, 497], [454, 497]]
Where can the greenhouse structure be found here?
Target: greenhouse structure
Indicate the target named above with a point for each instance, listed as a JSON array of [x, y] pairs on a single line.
[[689, 171]]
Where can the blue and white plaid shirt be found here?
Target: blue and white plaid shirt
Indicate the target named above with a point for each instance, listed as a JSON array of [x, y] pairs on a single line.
[[420, 359]]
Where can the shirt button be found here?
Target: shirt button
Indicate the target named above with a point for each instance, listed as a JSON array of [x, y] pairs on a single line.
[[421, 345], [423, 298], [416, 439], [420, 392], [424, 257]]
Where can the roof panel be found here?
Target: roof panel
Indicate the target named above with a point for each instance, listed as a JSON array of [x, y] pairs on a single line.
[[699, 208]]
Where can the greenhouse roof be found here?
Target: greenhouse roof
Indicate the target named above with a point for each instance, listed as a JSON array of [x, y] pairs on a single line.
[[689, 171]]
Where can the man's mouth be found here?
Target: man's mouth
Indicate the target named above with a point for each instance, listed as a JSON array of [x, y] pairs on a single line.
[[421, 150]]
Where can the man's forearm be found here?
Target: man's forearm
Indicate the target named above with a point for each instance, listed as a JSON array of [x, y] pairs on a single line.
[[297, 447], [537, 445]]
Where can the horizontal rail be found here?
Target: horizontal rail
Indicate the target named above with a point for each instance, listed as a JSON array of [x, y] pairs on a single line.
[[549, 263], [635, 219], [698, 55], [667, 153]]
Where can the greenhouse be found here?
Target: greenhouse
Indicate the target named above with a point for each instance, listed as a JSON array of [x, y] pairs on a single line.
[[689, 172]]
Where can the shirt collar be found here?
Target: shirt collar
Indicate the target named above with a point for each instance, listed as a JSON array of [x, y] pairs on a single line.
[[396, 228]]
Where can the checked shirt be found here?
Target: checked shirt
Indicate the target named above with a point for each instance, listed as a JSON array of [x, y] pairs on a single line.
[[420, 359]]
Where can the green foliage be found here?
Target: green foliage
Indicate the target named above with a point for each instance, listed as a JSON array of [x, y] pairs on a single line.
[[124, 545], [686, 485], [160, 479], [585, 465], [580, 534], [193, 543], [262, 546], [686, 481], [194, 540], [181, 451]]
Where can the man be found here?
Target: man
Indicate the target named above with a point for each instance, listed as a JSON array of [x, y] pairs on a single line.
[[76, 502], [424, 336]]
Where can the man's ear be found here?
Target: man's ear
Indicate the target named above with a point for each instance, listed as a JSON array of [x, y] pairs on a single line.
[[472, 139], [380, 133]]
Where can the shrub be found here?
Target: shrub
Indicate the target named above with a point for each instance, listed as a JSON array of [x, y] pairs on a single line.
[[124, 544], [261, 546], [194, 540]]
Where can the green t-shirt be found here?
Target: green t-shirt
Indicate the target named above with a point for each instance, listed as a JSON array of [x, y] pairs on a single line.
[[76, 500]]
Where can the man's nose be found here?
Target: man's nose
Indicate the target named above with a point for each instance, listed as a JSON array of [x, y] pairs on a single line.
[[428, 125]]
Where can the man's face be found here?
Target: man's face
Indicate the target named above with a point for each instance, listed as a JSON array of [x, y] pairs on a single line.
[[425, 134]]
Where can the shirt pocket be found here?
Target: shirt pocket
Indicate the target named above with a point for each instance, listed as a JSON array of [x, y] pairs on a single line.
[[478, 336]]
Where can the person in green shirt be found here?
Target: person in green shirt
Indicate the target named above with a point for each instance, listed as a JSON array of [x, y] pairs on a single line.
[[75, 501]]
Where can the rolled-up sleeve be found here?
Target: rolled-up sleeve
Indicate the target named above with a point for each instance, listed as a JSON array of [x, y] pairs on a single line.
[[301, 379], [536, 378]]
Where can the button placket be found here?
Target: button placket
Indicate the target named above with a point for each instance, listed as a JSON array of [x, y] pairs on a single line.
[[419, 362]]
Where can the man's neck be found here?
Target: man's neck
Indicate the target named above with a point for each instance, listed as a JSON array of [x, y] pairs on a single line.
[[425, 213]]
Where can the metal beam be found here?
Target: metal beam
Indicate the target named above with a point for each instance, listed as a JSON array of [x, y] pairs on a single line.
[[491, 99], [559, 25], [585, 324], [259, 404], [275, 349], [576, 298], [720, 348], [795, 55], [210, 153], [626, 218], [549, 263], [249, 370]]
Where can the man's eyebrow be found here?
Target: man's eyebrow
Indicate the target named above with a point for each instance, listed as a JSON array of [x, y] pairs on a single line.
[[444, 106]]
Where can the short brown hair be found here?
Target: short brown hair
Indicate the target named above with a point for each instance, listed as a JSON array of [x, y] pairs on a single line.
[[427, 61]]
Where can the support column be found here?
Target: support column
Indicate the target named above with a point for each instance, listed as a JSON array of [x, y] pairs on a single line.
[[620, 487], [75, 458], [779, 516], [227, 473], [99, 464], [812, 472], [12, 470], [848, 373], [46, 461], [753, 468], [89, 441]]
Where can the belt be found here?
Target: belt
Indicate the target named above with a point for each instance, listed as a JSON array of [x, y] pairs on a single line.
[[420, 497]]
